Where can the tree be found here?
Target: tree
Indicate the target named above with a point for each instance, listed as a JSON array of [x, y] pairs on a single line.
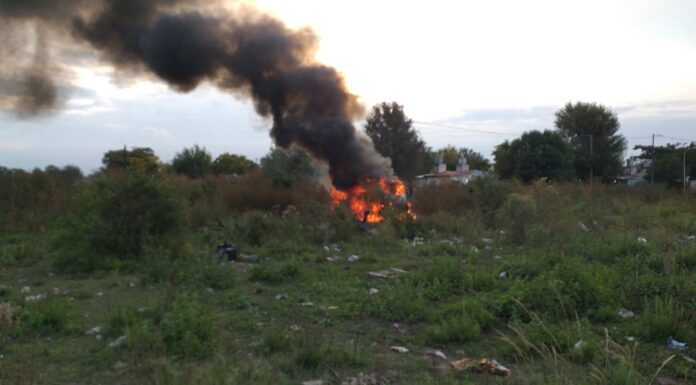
[[137, 158], [670, 162], [583, 124], [395, 138], [194, 162], [233, 164], [451, 156], [535, 155], [288, 167]]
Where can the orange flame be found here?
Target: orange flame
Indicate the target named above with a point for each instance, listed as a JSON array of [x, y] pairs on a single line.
[[367, 206]]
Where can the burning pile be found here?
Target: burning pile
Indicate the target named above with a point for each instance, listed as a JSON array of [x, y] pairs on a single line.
[[367, 201]]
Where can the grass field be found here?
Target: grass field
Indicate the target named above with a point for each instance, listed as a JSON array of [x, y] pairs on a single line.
[[560, 284]]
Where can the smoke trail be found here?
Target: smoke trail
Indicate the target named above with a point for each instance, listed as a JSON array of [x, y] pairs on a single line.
[[244, 52]]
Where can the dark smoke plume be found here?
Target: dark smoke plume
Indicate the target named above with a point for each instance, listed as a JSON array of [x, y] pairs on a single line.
[[246, 52]]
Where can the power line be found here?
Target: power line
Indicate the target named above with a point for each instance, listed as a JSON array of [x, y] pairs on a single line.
[[466, 129]]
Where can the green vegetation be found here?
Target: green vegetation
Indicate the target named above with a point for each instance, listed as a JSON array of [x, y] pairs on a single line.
[[114, 281]]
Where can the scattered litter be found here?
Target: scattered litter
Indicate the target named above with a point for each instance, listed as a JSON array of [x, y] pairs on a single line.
[[487, 241], [142, 309], [226, 251], [333, 259], [630, 338], [374, 291], [436, 353], [50, 274], [642, 240], [396, 325], [131, 284], [330, 248], [306, 304], [474, 249], [313, 382], [497, 257], [209, 289], [119, 341], [488, 365], [503, 274], [488, 248], [623, 313], [399, 271], [332, 308], [98, 337], [689, 359], [417, 241], [578, 345], [379, 274], [25, 290], [119, 365], [362, 379], [37, 297], [676, 345], [278, 297], [399, 349], [295, 328], [353, 258], [94, 330], [583, 227], [691, 237], [100, 293]]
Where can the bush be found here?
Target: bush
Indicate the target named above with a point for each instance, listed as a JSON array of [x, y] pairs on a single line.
[[274, 274], [517, 214], [400, 303], [119, 217], [187, 328], [489, 194], [453, 330], [194, 162], [661, 319], [43, 318]]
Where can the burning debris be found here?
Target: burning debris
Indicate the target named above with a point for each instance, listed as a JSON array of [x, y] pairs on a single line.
[[368, 201]]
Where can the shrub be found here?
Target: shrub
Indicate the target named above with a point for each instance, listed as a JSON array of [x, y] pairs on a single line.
[[118, 219], [274, 274], [489, 194], [399, 303], [310, 355], [194, 162], [43, 318], [661, 319], [187, 328], [517, 214]]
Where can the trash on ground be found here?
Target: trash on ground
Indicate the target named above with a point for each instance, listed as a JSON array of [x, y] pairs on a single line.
[[305, 304], [313, 382], [353, 258], [362, 379], [379, 274], [295, 328], [642, 240], [583, 227], [578, 345], [676, 345], [25, 290], [399, 349], [487, 365], [374, 291], [119, 365], [436, 353], [623, 313], [399, 271], [226, 251], [94, 330], [131, 284], [474, 249], [503, 274], [278, 297], [630, 338], [487, 241], [119, 341], [333, 259], [37, 297], [497, 257]]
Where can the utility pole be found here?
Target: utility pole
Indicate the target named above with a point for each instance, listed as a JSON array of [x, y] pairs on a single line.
[[652, 161], [684, 170]]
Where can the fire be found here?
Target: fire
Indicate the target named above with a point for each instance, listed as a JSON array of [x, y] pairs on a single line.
[[367, 201]]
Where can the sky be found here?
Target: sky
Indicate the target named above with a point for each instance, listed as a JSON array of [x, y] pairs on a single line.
[[469, 73]]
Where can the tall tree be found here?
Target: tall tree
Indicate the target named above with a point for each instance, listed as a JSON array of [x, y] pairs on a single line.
[[137, 158], [592, 130], [195, 162], [535, 155], [394, 137], [451, 156], [671, 161], [233, 164], [288, 167]]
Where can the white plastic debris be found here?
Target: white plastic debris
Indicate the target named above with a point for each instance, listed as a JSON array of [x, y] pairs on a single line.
[[278, 297], [374, 291], [94, 330], [487, 241], [578, 345], [642, 240], [691, 237], [399, 271], [623, 313], [630, 338], [333, 259], [583, 227], [399, 349], [305, 304], [676, 345], [119, 365], [37, 297], [353, 258], [379, 274], [474, 249], [295, 328], [131, 284], [497, 257], [313, 382], [503, 274], [118, 342], [436, 353], [25, 290], [100, 293]]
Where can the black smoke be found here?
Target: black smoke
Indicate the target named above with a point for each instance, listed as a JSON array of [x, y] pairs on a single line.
[[247, 52]]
